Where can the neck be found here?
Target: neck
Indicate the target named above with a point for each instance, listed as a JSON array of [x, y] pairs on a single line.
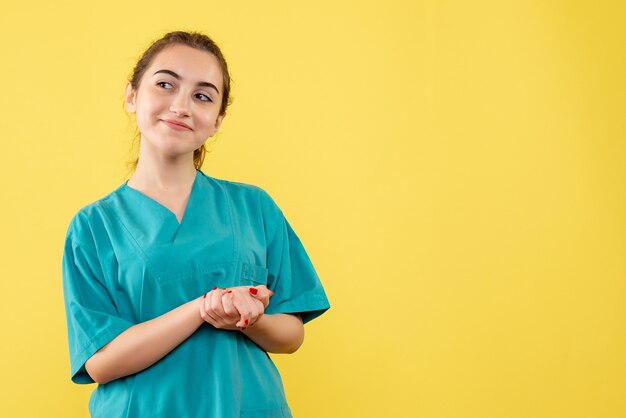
[[163, 172]]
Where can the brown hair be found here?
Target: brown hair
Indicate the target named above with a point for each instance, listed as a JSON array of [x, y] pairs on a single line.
[[195, 40]]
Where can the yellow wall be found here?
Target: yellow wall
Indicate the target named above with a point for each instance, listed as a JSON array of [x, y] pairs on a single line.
[[456, 171]]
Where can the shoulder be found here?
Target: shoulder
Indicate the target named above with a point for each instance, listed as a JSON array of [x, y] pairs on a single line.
[[253, 203], [86, 218], [246, 193], [236, 187]]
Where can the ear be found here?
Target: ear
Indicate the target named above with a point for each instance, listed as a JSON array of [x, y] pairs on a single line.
[[130, 99]]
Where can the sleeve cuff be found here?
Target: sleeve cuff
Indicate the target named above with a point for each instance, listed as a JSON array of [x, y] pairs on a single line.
[[309, 307], [78, 374]]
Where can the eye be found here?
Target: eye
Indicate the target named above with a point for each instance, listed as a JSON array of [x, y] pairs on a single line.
[[162, 82], [207, 97]]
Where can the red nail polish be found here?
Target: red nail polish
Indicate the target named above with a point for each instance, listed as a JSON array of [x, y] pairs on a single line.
[[204, 296], [253, 291], [230, 291], [246, 322], [215, 288]]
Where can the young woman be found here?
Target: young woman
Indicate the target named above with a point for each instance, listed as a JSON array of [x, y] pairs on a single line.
[[177, 284]]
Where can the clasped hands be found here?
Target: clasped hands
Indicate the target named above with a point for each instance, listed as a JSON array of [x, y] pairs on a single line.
[[235, 307]]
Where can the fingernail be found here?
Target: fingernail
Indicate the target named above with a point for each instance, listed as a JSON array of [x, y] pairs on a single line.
[[253, 291], [215, 288], [204, 296], [230, 291], [246, 322]]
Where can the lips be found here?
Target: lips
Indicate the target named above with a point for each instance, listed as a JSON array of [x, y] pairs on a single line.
[[176, 124]]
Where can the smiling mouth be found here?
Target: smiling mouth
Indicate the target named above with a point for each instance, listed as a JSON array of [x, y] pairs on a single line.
[[176, 126]]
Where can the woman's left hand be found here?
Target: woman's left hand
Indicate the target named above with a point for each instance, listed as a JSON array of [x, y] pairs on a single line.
[[262, 293]]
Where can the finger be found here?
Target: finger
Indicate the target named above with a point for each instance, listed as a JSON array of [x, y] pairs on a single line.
[[257, 311], [229, 308], [261, 293], [261, 310], [203, 311], [216, 302], [213, 299], [218, 306], [242, 303], [256, 307]]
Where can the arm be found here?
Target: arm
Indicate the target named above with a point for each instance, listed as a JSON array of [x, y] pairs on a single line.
[[277, 333], [144, 344]]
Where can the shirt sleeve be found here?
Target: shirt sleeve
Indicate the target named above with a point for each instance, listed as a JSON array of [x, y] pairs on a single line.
[[92, 317], [292, 277]]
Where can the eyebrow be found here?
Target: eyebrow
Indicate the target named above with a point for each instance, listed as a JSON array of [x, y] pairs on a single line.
[[200, 83]]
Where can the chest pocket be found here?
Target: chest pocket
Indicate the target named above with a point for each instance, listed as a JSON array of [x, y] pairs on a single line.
[[221, 275], [253, 275]]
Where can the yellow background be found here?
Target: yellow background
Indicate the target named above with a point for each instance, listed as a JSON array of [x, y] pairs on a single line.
[[455, 170]]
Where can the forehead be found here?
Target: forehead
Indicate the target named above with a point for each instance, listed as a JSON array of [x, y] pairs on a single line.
[[191, 64]]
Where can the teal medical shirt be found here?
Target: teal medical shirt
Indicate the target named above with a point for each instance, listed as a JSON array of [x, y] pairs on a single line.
[[127, 260]]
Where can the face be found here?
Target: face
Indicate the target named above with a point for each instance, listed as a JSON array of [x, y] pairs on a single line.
[[178, 101]]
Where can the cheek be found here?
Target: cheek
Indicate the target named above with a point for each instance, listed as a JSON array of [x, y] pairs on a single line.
[[210, 120], [201, 122], [142, 122], [146, 116]]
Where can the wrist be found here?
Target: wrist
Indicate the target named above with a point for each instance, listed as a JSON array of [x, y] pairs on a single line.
[[196, 306]]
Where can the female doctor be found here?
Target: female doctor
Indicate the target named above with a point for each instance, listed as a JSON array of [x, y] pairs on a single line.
[[177, 284]]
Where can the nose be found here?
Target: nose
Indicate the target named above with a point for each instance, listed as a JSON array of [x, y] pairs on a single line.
[[180, 104]]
